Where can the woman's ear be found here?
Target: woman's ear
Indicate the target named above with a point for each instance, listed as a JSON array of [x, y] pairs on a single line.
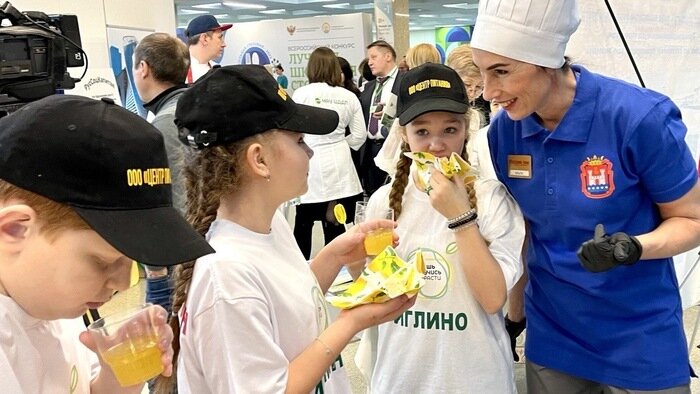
[[16, 222], [255, 158]]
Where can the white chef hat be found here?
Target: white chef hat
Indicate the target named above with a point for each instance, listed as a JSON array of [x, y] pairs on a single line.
[[531, 31]]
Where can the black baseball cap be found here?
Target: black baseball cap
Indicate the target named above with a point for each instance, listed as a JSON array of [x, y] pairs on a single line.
[[107, 164], [430, 87], [203, 24], [231, 103]]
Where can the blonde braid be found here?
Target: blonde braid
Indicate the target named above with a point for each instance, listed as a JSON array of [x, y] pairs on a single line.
[[208, 174], [469, 186], [398, 186]]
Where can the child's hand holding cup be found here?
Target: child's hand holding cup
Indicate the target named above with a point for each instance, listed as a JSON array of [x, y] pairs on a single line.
[[136, 343]]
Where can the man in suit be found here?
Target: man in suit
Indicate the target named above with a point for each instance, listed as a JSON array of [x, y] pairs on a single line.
[[377, 103]]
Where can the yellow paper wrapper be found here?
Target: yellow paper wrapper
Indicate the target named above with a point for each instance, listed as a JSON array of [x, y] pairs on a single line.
[[454, 165], [386, 276]]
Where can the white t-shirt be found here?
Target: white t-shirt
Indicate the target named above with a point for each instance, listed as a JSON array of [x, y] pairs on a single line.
[[252, 307], [480, 154], [42, 356], [447, 343], [197, 70], [332, 174]]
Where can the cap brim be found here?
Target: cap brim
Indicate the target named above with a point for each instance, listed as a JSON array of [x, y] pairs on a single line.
[[156, 236], [224, 27], [311, 120], [431, 105]]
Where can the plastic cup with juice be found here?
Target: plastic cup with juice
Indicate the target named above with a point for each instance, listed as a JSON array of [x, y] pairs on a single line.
[[128, 342], [377, 240]]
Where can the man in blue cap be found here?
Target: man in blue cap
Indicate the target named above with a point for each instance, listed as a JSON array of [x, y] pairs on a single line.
[[205, 40]]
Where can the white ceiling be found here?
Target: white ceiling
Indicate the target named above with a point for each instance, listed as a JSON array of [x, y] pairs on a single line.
[[423, 14]]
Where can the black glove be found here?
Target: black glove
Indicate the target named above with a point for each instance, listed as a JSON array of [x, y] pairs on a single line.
[[514, 329], [604, 252]]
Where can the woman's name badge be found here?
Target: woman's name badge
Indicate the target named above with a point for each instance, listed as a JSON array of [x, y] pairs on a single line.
[[520, 166]]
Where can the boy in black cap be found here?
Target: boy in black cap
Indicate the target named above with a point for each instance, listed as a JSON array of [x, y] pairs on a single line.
[[85, 190], [255, 311], [205, 40]]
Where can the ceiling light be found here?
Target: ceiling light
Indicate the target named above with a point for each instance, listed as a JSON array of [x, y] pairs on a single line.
[[185, 11], [207, 6], [305, 12], [464, 6], [277, 11], [243, 6], [339, 5], [426, 16]]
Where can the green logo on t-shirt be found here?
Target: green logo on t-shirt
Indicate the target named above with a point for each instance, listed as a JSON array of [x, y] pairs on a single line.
[[73, 379]]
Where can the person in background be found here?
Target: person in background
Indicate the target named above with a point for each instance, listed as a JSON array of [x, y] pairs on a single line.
[[349, 84], [252, 317], [206, 42], [609, 189], [160, 65], [421, 54], [381, 58], [365, 74], [348, 77], [470, 236], [460, 59], [332, 177], [74, 213], [403, 67], [281, 78]]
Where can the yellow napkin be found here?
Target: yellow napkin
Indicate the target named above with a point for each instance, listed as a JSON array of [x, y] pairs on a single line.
[[454, 165], [386, 276]]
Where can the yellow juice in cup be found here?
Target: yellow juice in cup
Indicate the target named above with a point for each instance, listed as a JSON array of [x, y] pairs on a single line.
[[377, 240], [135, 362]]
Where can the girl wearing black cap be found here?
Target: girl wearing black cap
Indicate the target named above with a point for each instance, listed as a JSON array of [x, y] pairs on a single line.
[[252, 317], [456, 327]]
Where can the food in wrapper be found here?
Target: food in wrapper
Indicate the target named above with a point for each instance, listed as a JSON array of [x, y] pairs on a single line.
[[454, 165], [386, 276]]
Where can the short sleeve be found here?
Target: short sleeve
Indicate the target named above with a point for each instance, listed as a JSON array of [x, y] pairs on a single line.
[[502, 226]]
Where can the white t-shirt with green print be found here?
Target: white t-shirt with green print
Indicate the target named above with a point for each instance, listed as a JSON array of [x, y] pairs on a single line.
[[446, 343]]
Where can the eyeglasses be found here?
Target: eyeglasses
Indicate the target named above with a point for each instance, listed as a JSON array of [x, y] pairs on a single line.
[[474, 88]]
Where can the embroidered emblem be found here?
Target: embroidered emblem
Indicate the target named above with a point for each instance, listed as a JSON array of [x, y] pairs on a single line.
[[597, 177]]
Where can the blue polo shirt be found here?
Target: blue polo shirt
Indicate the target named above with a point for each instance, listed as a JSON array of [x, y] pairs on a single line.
[[618, 151]]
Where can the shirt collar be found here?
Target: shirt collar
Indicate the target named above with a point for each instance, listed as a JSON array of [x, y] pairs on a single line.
[[392, 73], [155, 104]]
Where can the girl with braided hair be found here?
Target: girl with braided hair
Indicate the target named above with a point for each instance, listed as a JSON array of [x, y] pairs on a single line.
[[470, 237], [252, 317]]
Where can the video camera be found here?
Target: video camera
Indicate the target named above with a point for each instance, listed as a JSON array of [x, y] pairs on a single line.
[[35, 51]]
